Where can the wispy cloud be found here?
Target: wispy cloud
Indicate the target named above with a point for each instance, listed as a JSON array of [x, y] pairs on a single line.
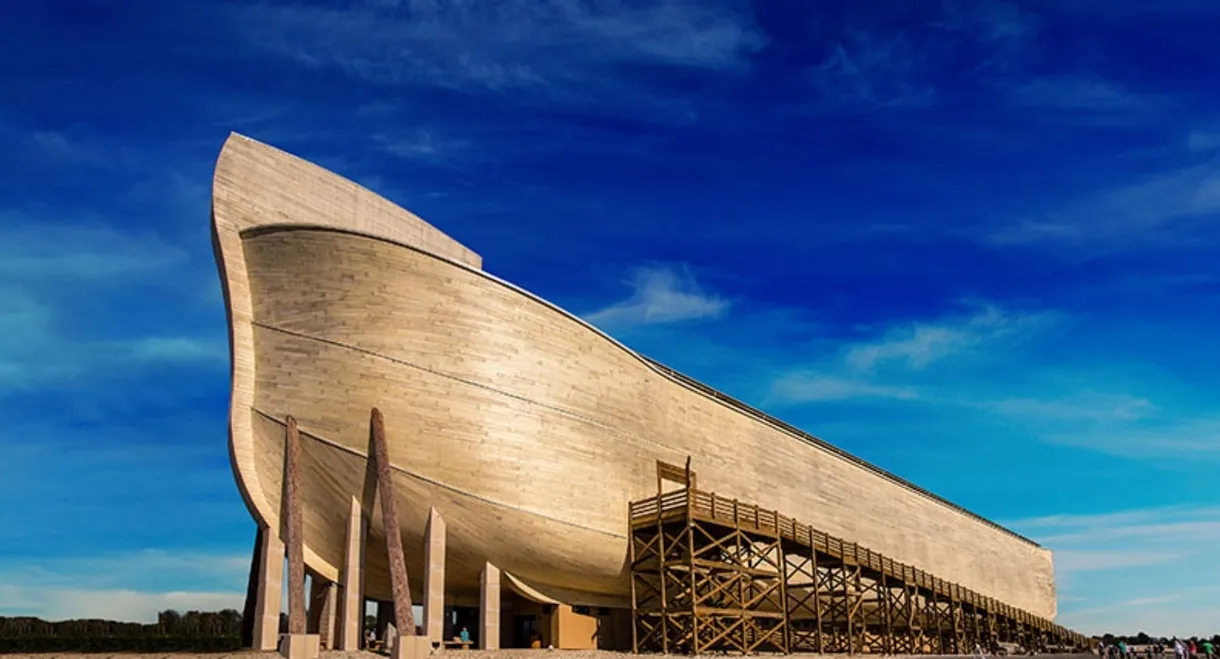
[[919, 344], [1070, 93], [661, 294], [424, 145], [1088, 405], [1151, 535], [40, 350], [1112, 559], [34, 250], [889, 366], [1160, 437], [507, 45], [801, 388], [1202, 141], [1145, 569], [121, 586], [44, 340], [109, 604], [875, 62], [1120, 218]]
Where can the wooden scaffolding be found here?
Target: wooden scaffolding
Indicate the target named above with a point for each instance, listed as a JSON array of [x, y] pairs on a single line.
[[710, 574]]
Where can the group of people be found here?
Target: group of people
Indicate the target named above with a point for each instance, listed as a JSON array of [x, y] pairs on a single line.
[[1181, 650]]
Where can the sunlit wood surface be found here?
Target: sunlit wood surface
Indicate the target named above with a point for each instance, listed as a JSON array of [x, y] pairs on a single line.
[[526, 428]]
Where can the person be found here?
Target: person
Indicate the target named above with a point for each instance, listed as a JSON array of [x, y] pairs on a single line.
[[370, 639], [465, 635], [1208, 649], [1179, 650]]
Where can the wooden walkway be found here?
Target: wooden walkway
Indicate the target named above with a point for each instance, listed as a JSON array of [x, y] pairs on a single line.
[[715, 574]]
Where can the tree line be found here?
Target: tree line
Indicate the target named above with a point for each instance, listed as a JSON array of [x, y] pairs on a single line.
[[193, 631], [1144, 639]]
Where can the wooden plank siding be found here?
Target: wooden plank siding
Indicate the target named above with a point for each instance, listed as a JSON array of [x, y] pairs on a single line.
[[526, 428]]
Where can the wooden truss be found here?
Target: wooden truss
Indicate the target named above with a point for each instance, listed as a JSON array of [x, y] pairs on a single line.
[[710, 574]]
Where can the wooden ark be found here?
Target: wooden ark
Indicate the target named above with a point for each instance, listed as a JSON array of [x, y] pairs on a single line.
[[525, 428]]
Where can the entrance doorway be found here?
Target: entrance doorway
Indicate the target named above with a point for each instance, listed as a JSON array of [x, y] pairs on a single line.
[[525, 630]]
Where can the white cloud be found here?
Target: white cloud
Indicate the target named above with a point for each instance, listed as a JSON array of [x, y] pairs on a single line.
[[43, 339], [1078, 561], [1181, 621], [1124, 539], [919, 344], [172, 349], [36, 250], [661, 295], [1203, 141], [499, 46], [1125, 571], [423, 144], [122, 587], [1087, 405], [797, 388], [1075, 94], [1162, 438], [1120, 217], [39, 348], [892, 365], [117, 604]]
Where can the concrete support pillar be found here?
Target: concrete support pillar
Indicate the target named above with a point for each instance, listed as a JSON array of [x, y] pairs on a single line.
[[489, 608], [323, 599], [351, 598], [270, 585], [434, 577]]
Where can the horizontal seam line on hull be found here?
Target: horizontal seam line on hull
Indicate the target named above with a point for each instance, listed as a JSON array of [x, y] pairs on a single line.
[[530, 401], [508, 394], [432, 481], [675, 376]]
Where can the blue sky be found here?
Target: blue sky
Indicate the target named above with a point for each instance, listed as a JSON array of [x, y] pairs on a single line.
[[972, 242]]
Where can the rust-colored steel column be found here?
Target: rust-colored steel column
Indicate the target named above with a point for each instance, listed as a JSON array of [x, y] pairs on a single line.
[[295, 532], [403, 618]]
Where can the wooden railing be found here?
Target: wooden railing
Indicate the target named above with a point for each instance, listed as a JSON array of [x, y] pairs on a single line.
[[750, 517]]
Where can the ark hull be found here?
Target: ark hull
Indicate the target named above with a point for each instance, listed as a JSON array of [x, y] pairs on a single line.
[[527, 429]]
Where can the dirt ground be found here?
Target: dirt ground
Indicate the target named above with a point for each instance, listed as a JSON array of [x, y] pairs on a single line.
[[450, 654]]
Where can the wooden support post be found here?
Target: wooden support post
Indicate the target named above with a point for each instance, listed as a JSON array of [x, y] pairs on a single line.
[[688, 532], [855, 631], [489, 608], [940, 619], [635, 595], [294, 531], [268, 595], [663, 568], [404, 619], [817, 593], [351, 600], [786, 639], [886, 603], [434, 577]]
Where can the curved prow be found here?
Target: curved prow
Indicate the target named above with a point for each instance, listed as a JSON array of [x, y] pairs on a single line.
[[256, 185], [259, 185]]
